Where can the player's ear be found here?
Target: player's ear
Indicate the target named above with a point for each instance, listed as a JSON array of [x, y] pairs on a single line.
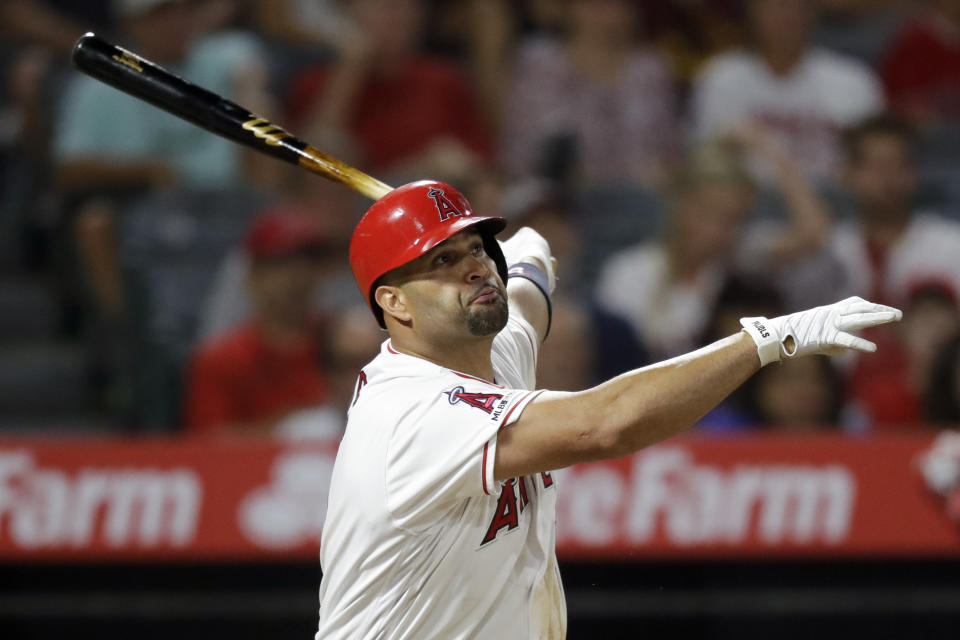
[[394, 302]]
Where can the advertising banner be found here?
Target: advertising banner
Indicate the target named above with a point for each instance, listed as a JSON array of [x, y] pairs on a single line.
[[762, 496]]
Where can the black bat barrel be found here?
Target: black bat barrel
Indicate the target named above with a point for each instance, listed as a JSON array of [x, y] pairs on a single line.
[[147, 81]]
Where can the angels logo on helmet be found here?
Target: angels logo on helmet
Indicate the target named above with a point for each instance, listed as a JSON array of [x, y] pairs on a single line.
[[444, 207]]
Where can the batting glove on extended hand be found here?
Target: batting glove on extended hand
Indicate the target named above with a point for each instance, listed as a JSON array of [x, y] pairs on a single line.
[[527, 243], [821, 330]]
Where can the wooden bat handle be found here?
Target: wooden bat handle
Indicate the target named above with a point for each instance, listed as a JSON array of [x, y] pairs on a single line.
[[312, 159]]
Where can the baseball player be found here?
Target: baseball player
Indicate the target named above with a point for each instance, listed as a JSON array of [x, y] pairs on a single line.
[[441, 516]]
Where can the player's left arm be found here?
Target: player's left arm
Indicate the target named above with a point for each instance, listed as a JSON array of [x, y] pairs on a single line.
[[532, 278]]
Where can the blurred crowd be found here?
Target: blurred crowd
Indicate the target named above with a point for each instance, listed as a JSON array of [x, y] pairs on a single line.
[[690, 161]]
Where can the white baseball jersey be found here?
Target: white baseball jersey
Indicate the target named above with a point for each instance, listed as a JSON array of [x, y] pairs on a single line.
[[420, 541], [805, 109]]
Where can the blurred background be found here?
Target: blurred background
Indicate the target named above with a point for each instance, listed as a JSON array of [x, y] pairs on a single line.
[[690, 162]]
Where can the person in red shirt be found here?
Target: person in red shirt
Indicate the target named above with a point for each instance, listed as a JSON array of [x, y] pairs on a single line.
[[921, 72], [898, 255], [406, 112], [252, 378]]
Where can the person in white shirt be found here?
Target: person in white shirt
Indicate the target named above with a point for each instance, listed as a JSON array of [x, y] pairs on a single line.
[[441, 516], [890, 247], [805, 95], [666, 287]]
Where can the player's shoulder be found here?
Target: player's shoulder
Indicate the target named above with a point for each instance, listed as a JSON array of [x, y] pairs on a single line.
[[408, 394], [518, 331], [398, 379]]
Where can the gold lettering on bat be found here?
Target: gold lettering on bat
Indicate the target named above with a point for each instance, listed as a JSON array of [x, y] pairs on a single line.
[[128, 59], [266, 131]]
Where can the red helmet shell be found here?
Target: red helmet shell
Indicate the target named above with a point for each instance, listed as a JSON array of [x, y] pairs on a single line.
[[410, 221]]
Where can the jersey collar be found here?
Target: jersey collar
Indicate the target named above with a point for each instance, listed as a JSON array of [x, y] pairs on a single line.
[[389, 351]]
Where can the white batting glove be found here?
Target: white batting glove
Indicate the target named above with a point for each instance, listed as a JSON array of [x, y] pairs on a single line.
[[527, 243], [821, 330]]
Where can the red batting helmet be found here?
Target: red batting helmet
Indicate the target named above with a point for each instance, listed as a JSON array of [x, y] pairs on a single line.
[[407, 223]]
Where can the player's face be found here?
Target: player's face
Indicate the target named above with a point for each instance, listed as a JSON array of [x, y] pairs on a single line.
[[456, 286]]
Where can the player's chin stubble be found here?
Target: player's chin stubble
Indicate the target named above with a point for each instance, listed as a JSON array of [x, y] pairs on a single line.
[[489, 318]]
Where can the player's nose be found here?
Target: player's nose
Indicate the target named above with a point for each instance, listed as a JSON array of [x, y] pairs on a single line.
[[478, 268]]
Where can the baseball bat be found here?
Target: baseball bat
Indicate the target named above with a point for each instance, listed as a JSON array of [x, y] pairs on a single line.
[[147, 81]]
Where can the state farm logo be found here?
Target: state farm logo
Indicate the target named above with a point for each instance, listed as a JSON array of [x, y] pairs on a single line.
[[290, 510], [669, 496], [119, 508]]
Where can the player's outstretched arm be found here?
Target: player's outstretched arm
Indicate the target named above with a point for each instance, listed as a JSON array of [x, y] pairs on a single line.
[[645, 406], [530, 294]]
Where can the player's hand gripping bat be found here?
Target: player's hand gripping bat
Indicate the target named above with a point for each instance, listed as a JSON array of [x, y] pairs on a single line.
[[143, 79]]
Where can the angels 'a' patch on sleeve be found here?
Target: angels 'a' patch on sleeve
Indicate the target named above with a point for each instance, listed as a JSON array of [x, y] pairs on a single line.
[[484, 401]]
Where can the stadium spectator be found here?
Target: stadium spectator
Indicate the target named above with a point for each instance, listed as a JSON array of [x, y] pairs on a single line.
[[587, 346], [885, 251], [108, 141], [36, 37], [600, 92], [803, 94], [889, 249], [24, 137], [408, 114], [799, 395], [921, 71], [569, 364], [740, 296], [594, 343], [666, 287], [268, 370], [778, 249], [893, 393], [785, 397], [310, 24], [892, 253], [483, 33], [351, 341], [326, 204], [933, 317], [110, 146], [548, 208]]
